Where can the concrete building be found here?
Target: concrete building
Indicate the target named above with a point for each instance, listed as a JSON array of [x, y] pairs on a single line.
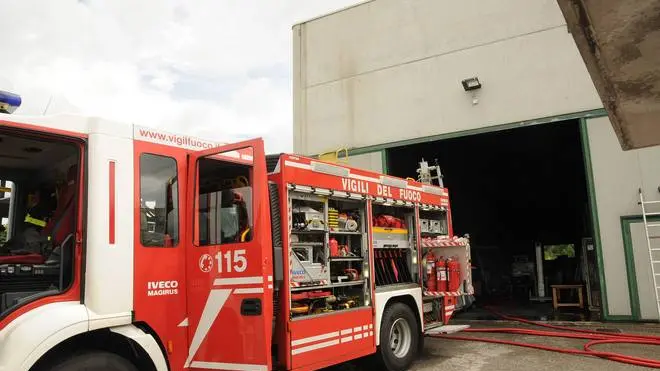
[[530, 157]]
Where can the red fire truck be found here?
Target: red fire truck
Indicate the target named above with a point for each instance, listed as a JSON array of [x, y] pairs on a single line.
[[134, 249]]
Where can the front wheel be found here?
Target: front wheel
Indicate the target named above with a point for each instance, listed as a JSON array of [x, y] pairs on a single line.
[[95, 361], [399, 338]]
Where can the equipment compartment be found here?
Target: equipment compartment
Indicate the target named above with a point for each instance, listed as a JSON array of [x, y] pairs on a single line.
[[395, 244], [329, 262], [433, 223]]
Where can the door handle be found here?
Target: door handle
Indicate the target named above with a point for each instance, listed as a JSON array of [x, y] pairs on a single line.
[[251, 307]]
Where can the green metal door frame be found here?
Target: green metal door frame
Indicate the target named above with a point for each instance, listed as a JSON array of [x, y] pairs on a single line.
[[382, 148], [591, 191], [482, 130], [593, 211], [384, 159], [595, 223], [631, 273]]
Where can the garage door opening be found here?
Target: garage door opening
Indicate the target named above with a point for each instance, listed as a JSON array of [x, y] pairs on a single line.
[[511, 191]]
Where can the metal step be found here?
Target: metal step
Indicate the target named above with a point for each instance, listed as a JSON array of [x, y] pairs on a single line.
[[446, 329]]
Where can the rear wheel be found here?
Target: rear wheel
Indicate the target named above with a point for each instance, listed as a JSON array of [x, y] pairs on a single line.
[[399, 338], [94, 361]]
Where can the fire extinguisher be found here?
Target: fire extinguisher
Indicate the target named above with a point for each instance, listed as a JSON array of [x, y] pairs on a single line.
[[334, 247], [454, 271], [430, 272], [441, 271]]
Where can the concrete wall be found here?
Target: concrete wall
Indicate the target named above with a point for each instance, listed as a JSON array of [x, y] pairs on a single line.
[[390, 70], [372, 161], [618, 175]]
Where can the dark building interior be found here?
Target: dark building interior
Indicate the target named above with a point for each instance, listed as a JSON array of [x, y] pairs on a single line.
[[510, 190]]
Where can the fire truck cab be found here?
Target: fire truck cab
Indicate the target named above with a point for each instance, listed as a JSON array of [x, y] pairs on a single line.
[[128, 248]]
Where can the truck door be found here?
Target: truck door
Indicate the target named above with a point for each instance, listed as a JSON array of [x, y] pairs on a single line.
[[229, 259]]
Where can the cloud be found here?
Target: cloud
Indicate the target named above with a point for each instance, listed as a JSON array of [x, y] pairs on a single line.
[[220, 69]]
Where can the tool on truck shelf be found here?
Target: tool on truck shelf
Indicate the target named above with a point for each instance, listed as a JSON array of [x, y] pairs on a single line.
[[337, 250], [431, 275], [433, 226], [392, 267], [352, 274], [389, 221], [308, 218], [443, 274], [317, 302], [306, 265], [333, 218], [343, 220]]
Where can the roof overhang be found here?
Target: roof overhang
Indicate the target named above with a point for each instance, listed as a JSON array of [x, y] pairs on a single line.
[[619, 41]]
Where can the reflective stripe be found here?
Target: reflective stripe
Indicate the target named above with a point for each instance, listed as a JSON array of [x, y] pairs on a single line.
[[37, 222]]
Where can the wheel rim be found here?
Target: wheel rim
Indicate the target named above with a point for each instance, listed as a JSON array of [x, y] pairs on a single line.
[[400, 338]]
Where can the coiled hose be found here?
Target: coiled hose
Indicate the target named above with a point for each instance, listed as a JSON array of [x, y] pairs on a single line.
[[594, 337]]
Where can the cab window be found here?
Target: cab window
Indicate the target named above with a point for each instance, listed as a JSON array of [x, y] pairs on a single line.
[[39, 193], [224, 202], [5, 201], [159, 201]]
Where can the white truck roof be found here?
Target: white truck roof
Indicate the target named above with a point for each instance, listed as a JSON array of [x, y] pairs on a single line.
[[95, 125]]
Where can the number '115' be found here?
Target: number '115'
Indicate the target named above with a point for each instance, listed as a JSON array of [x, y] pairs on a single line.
[[233, 261]]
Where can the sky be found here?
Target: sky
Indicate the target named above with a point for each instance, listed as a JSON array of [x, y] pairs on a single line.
[[217, 69]]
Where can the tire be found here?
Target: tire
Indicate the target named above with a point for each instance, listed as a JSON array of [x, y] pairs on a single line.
[[399, 338], [94, 361]]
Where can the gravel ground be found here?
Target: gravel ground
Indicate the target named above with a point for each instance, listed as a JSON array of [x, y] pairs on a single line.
[[443, 354]]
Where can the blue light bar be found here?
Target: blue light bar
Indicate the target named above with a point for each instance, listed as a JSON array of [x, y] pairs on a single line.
[[9, 102]]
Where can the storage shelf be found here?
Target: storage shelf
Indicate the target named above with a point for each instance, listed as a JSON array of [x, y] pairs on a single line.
[[303, 244], [347, 283], [347, 259], [306, 199], [442, 244], [308, 232], [346, 233], [330, 286], [435, 233], [389, 230]]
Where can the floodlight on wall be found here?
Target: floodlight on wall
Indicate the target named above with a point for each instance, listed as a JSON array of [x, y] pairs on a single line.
[[471, 84]]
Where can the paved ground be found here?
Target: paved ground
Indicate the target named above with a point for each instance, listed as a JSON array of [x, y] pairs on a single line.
[[442, 354]]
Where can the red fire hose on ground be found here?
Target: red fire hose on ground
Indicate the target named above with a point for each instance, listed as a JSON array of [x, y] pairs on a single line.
[[594, 337]]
